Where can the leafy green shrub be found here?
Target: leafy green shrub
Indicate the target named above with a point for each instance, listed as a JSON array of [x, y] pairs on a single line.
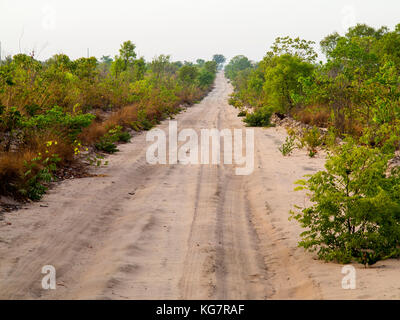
[[143, 122], [135, 126], [386, 136], [106, 146], [107, 142], [124, 137], [187, 74], [237, 64], [355, 211], [259, 118], [235, 102], [146, 124], [330, 139], [32, 110], [205, 78], [57, 118], [242, 113], [10, 118], [39, 172]]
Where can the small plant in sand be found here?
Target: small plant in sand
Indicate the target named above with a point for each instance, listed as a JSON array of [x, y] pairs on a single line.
[[97, 160], [312, 153], [289, 145], [312, 139]]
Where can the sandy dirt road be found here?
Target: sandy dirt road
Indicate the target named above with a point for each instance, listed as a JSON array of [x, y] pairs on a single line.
[[140, 231]]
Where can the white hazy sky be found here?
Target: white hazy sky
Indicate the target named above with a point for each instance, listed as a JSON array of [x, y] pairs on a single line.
[[186, 29]]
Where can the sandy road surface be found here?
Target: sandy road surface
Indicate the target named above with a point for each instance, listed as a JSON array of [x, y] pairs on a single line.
[[177, 232]]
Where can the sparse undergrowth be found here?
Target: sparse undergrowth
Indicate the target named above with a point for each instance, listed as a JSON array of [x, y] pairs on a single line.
[[311, 139]]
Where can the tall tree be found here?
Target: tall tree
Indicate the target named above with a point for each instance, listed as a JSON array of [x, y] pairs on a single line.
[[219, 59], [127, 53]]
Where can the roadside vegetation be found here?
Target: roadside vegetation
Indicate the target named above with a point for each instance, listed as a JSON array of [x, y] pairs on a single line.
[[53, 111], [355, 98]]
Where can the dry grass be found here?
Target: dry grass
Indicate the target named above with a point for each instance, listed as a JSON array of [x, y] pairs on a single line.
[[123, 117], [155, 109], [12, 170], [189, 95], [37, 143], [354, 128], [12, 164], [313, 115], [92, 133]]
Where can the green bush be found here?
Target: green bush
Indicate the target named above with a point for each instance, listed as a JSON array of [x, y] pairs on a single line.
[[106, 146], [259, 118], [39, 172], [242, 113], [187, 74], [107, 142], [143, 122], [235, 102], [72, 124], [355, 211], [205, 78], [10, 118], [124, 137]]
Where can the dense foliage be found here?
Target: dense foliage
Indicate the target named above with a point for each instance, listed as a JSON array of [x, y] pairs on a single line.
[[84, 102], [357, 89], [356, 207], [356, 93]]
